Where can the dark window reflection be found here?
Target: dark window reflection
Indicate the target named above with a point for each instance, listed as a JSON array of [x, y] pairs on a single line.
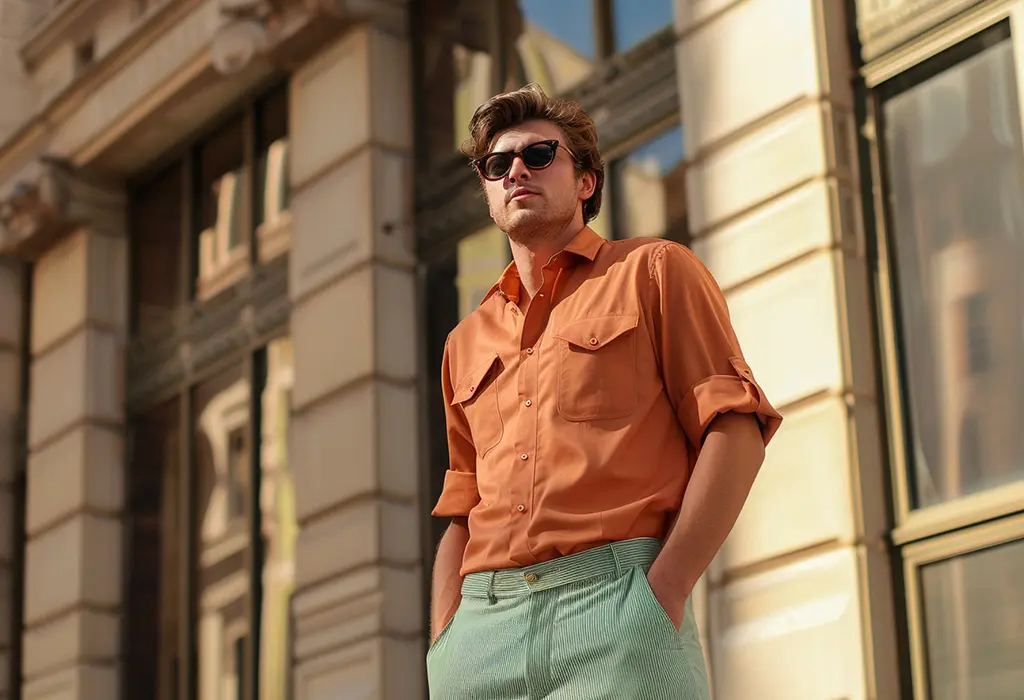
[[221, 196], [551, 43], [974, 624], [222, 468], [272, 192], [155, 221], [154, 557], [957, 203], [648, 189], [635, 20], [278, 522]]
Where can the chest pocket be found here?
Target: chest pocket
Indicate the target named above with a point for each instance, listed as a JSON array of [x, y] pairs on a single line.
[[477, 394], [597, 368]]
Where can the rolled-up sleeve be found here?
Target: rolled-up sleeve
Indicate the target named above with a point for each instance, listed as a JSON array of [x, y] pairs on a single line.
[[701, 360], [459, 495]]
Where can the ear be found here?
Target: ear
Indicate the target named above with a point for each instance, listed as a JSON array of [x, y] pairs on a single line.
[[588, 183]]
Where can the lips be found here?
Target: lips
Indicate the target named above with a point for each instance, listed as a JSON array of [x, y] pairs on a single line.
[[521, 192]]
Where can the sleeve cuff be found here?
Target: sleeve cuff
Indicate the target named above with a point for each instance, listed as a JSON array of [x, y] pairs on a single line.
[[458, 496], [724, 393]]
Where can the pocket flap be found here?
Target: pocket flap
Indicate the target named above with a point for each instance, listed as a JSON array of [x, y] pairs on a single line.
[[595, 333], [474, 381]]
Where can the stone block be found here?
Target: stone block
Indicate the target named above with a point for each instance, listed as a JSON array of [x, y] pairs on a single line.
[[78, 562], [775, 158], [788, 325], [392, 208], [744, 65], [793, 632], [75, 683], [81, 470], [363, 324], [812, 451], [361, 442], [330, 106], [690, 13], [83, 278], [383, 668], [361, 533], [80, 379], [390, 92], [769, 237], [81, 634]]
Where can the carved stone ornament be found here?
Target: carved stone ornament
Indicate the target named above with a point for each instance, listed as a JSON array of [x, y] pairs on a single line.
[[52, 201]]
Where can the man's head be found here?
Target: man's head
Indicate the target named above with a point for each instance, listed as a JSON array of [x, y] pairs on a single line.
[[538, 162]]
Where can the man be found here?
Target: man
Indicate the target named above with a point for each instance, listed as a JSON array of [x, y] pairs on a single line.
[[603, 431]]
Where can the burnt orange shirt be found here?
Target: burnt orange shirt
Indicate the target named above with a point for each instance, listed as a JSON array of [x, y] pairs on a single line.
[[578, 423]]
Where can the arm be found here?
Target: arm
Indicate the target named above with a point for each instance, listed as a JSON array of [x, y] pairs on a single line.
[[458, 497], [725, 471], [720, 407], [446, 590]]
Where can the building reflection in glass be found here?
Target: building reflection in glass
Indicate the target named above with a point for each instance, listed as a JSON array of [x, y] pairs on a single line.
[[278, 523], [957, 198], [550, 43], [648, 189], [222, 468]]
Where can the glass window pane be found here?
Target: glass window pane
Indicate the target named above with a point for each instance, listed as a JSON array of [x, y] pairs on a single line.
[[222, 469], [153, 590], [649, 189], [155, 214], [278, 522], [223, 242], [974, 624], [957, 206], [273, 186], [633, 21], [483, 256], [550, 43]]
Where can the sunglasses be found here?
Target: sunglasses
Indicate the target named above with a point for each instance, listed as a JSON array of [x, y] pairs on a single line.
[[536, 156]]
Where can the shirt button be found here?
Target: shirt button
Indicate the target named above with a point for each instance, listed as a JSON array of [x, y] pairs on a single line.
[[529, 351], [520, 507], [593, 341], [528, 403], [524, 457], [531, 578]]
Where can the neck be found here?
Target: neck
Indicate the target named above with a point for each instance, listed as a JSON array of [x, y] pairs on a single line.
[[531, 256]]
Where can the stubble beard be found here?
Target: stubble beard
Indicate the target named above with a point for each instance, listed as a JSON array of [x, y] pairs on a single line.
[[534, 226]]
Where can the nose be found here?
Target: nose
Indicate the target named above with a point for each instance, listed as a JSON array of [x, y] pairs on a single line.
[[518, 172]]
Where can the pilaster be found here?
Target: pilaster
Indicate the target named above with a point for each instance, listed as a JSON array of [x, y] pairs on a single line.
[[773, 201], [358, 602], [73, 558]]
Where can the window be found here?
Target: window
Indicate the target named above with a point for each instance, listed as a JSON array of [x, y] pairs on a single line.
[[950, 255], [648, 189], [634, 21], [210, 513]]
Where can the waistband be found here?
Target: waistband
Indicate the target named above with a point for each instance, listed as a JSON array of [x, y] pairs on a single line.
[[607, 560]]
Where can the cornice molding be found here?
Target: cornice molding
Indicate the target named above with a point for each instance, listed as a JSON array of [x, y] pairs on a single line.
[[625, 96], [885, 26]]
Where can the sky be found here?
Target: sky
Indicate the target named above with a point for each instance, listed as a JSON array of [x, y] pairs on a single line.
[[572, 21]]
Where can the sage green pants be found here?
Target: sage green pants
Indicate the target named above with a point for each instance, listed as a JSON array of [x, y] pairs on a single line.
[[581, 627]]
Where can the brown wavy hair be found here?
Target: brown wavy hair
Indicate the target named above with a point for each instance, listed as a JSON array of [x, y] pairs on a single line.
[[511, 109]]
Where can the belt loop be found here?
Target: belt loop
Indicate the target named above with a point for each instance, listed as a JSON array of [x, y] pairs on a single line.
[[491, 598], [618, 564]]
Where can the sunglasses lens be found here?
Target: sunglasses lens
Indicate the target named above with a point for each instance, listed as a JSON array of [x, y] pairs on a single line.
[[497, 164], [539, 155]]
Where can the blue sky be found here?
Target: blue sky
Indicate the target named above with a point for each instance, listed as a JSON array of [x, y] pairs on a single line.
[[572, 21]]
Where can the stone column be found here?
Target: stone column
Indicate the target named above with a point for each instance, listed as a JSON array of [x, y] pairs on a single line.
[[10, 419], [73, 576], [358, 606], [800, 600]]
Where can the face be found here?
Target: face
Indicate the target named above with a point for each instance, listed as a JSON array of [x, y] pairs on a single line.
[[531, 205]]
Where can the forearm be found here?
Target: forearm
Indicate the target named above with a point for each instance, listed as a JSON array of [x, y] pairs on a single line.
[[725, 471], [446, 588]]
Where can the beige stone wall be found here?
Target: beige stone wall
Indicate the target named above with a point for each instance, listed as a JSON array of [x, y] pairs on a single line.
[[15, 86], [799, 599], [358, 605], [75, 470], [10, 395]]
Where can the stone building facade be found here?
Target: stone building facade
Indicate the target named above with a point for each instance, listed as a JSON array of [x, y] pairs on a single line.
[[235, 234]]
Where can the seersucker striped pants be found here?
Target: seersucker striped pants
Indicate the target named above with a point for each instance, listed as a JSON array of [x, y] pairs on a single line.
[[582, 627]]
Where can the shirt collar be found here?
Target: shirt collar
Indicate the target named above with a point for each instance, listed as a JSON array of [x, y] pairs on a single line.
[[586, 245]]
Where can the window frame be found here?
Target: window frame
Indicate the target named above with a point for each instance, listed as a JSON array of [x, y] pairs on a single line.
[[971, 523]]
